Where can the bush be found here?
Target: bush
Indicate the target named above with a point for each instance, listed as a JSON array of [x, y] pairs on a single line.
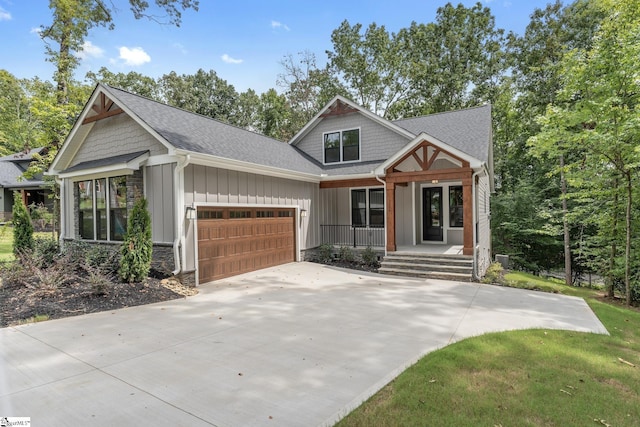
[[22, 227], [369, 256], [45, 251], [325, 252], [136, 250], [346, 254], [494, 274], [40, 216]]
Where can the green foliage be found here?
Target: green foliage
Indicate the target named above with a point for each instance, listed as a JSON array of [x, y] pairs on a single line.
[[325, 252], [494, 274], [22, 227], [369, 256], [46, 250], [346, 254], [136, 250]]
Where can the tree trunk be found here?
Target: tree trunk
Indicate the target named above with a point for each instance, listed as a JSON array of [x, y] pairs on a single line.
[[565, 223], [627, 249], [64, 64], [614, 246]]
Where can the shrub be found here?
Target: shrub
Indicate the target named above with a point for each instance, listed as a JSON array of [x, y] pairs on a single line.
[[346, 254], [325, 252], [103, 257], [40, 215], [369, 256], [136, 250], [45, 251], [494, 274], [22, 227]]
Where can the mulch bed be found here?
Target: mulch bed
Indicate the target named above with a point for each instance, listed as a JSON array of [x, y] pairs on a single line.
[[20, 303]]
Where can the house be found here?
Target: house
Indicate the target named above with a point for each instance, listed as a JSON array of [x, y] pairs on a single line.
[[32, 191], [224, 200]]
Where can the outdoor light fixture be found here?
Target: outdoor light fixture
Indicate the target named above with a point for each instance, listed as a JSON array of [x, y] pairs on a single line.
[[434, 181], [191, 213], [303, 213]]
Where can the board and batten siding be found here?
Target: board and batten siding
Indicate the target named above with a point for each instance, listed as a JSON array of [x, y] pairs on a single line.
[[160, 194], [115, 136], [376, 141], [204, 184], [483, 217]]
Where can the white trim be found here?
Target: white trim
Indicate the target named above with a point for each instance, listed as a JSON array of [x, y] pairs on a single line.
[[365, 112], [196, 205], [341, 147], [162, 159], [367, 201], [444, 235], [237, 165], [122, 168], [422, 137]]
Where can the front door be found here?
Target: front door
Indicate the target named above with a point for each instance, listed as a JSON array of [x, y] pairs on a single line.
[[432, 214]]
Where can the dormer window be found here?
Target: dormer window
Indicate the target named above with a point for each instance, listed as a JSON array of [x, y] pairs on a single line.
[[342, 146]]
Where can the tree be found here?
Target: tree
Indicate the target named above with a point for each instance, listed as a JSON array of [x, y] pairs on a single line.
[[22, 227], [73, 19], [455, 62], [274, 116], [371, 66], [132, 82], [202, 93], [597, 114], [137, 248]]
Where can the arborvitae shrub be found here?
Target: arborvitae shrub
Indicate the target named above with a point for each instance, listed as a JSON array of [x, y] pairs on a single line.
[[22, 227], [135, 260]]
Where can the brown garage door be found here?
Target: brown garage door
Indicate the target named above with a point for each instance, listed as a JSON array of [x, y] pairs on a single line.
[[237, 240]]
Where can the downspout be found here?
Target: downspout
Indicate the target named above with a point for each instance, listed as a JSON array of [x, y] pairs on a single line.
[[60, 183], [179, 214], [475, 237], [384, 185]]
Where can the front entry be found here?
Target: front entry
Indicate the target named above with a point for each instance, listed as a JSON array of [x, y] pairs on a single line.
[[432, 214]]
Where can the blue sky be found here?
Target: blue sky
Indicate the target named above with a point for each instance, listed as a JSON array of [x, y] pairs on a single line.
[[242, 40]]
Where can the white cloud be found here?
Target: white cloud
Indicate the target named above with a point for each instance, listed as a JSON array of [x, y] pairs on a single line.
[[279, 25], [36, 30], [134, 56], [4, 15], [229, 60], [180, 47], [89, 50]]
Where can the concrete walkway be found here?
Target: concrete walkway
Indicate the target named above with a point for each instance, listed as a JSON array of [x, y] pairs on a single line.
[[300, 345]]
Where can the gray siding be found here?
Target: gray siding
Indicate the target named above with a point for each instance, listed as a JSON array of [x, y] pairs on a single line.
[[68, 209], [204, 184], [161, 200], [376, 141], [115, 136], [484, 224], [404, 217]]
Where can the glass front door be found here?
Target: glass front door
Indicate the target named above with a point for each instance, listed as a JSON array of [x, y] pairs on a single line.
[[432, 214]]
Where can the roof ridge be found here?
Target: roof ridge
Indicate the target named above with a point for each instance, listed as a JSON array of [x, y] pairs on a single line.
[[192, 112], [488, 104]]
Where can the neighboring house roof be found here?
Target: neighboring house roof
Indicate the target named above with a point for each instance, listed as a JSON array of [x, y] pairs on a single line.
[[14, 165]]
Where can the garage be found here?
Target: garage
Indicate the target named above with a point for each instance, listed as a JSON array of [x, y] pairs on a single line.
[[235, 240]]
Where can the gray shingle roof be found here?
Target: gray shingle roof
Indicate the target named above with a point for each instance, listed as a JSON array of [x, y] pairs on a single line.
[[467, 130], [11, 171], [108, 161], [193, 132]]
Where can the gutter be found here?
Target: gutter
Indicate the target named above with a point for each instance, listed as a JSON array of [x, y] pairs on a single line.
[[474, 219], [179, 214]]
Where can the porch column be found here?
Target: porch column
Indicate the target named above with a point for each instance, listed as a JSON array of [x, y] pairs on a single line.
[[23, 193], [467, 203], [391, 216]]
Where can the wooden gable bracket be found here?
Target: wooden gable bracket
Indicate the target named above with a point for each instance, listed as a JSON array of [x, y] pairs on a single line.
[[103, 110], [339, 109]]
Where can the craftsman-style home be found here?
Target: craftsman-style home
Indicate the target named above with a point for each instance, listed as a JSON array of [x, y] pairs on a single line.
[[224, 200]]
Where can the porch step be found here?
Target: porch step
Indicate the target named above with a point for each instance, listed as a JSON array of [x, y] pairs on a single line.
[[430, 266]]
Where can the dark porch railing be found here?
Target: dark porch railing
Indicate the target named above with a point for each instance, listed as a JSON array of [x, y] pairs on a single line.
[[348, 235]]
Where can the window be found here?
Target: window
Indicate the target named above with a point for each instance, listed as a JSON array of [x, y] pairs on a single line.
[[342, 146], [455, 206], [239, 214], [367, 204], [102, 208]]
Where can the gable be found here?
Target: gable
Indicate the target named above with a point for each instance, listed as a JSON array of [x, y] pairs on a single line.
[[377, 142], [115, 136]]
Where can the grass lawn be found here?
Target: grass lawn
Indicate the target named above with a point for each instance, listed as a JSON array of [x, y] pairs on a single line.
[[521, 378], [6, 242]]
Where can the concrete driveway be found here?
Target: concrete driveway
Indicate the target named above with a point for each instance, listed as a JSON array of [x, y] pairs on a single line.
[[301, 344]]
